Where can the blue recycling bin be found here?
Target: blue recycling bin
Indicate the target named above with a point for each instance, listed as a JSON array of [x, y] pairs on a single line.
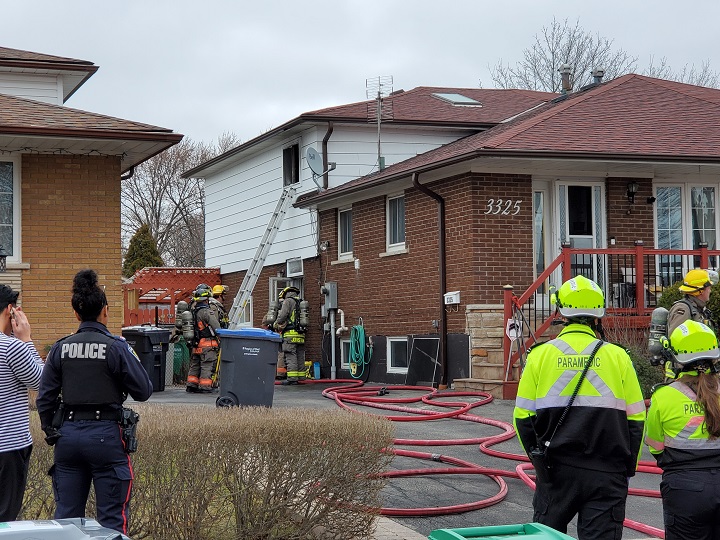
[[248, 361]]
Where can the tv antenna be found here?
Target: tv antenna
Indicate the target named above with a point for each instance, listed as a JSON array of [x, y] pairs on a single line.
[[379, 88], [315, 162]]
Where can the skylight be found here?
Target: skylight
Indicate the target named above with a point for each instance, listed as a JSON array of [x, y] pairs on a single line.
[[458, 99]]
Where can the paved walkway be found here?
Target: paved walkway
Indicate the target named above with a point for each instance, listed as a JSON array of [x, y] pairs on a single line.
[[387, 529]]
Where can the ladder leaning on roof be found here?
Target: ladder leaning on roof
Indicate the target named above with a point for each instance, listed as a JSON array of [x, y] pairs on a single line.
[[253, 273]]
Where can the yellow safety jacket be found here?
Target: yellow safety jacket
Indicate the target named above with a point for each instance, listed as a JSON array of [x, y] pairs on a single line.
[[603, 429], [676, 433]]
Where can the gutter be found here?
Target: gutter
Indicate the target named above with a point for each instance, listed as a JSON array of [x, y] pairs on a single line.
[[65, 133], [442, 349], [325, 140]]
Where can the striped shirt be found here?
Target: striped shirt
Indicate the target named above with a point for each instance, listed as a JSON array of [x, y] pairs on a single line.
[[20, 369]]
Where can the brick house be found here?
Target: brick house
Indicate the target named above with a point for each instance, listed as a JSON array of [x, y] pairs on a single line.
[[631, 159], [60, 171]]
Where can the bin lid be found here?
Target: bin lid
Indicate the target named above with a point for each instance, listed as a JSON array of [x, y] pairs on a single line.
[[249, 333], [153, 333]]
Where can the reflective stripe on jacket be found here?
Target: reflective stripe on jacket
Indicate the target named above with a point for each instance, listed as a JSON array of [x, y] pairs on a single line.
[[603, 430], [676, 433]]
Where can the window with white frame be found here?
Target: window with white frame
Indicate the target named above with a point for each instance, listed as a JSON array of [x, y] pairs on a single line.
[[291, 165], [246, 318], [277, 284], [395, 222], [345, 354], [10, 207], [685, 217], [345, 238], [397, 355]]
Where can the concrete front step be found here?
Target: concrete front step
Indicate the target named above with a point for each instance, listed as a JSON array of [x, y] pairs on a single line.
[[492, 386]]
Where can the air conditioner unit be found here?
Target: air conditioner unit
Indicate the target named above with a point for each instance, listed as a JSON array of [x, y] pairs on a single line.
[[294, 267]]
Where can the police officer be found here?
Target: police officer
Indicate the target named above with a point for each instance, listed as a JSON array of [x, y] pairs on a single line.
[[293, 345], [593, 450], [204, 350], [683, 434], [86, 378], [216, 304]]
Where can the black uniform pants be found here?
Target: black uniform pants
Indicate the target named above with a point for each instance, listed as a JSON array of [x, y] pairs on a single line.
[[92, 451], [598, 498], [13, 477], [691, 504]]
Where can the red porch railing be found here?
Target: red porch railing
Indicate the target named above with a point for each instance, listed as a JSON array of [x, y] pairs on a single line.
[[633, 280]]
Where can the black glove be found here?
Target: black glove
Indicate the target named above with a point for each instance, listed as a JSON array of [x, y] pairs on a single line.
[[51, 435]]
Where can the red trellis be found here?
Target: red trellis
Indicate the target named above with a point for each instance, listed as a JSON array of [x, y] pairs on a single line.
[[153, 292]]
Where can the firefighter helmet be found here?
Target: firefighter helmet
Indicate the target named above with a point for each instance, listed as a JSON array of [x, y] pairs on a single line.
[[579, 297], [202, 292], [287, 290], [219, 289], [692, 342], [696, 280]]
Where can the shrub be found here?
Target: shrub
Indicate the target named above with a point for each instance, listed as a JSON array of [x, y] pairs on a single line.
[[255, 473], [673, 293]]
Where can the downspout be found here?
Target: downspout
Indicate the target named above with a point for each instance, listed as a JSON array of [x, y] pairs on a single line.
[[129, 174], [442, 350], [326, 138]]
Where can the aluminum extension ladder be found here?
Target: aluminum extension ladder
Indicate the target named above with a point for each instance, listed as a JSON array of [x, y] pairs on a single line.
[[253, 273]]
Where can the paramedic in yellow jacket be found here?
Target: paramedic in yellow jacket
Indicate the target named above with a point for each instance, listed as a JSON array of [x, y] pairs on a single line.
[[293, 344], [683, 426], [595, 448]]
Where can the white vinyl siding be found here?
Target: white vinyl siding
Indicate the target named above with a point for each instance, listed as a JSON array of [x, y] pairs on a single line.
[[45, 88]]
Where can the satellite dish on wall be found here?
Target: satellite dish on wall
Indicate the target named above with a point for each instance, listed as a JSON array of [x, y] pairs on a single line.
[[315, 161]]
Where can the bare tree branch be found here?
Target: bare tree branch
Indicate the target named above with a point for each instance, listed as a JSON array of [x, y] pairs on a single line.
[[172, 207]]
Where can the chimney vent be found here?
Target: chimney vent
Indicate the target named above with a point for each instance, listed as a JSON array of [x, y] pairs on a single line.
[[565, 71], [598, 74]]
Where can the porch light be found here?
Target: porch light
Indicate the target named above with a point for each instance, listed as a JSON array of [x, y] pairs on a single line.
[[632, 189], [3, 259]]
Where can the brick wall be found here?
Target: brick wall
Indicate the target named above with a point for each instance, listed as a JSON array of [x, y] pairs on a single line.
[[70, 221], [629, 222]]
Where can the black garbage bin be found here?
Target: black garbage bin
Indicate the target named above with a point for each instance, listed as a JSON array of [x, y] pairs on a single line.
[[151, 345], [248, 360]]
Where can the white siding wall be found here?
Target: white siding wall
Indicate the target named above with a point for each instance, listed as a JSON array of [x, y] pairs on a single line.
[[45, 88], [240, 199]]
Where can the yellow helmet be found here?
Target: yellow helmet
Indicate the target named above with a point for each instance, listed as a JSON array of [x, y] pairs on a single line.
[[579, 297], [287, 290], [219, 289], [692, 342], [696, 280]]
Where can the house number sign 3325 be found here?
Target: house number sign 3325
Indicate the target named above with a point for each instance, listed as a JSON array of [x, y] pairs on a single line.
[[505, 207]]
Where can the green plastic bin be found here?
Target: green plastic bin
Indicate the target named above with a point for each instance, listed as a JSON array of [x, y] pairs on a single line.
[[535, 531]]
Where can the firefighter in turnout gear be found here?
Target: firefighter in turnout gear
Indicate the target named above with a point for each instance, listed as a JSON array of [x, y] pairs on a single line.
[[205, 346], [683, 434], [579, 416], [696, 285], [293, 345], [216, 304], [85, 381]]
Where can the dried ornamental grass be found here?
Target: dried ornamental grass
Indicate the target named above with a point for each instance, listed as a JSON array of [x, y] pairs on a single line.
[[253, 473]]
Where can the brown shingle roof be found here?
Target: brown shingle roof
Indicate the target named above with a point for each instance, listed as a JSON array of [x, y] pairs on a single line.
[[19, 115], [631, 117], [420, 106], [14, 55]]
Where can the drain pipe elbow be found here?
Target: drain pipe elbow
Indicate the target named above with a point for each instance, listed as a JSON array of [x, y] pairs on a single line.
[[129, 174], [443, 276], [325, 140], [342, 327]]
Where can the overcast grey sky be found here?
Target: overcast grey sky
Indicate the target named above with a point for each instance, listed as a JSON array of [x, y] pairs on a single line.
[[203, 67]]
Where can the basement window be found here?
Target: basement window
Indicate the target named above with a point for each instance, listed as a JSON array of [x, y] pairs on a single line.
[[458, 100], [397, 355]]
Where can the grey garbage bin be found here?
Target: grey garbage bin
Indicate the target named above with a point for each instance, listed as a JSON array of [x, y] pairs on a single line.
[[248, 360], [58, 529], [151, 345]]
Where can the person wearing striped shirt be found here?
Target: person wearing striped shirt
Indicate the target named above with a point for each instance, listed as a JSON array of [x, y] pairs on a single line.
[[20, 370]]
